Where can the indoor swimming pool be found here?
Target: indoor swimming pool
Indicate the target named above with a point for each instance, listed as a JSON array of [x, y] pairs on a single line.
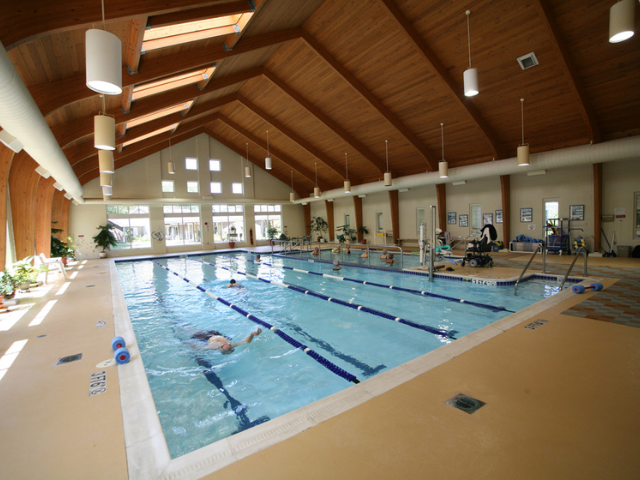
[[322, 331]]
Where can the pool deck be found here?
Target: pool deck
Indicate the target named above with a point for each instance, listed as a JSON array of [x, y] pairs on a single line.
[[559, 397]]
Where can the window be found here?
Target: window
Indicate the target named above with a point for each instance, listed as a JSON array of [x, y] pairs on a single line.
[[347, 220], [551, 210], [191, 163], [228, 227], [192, 187], [236, 188], [420, 219], [167, 186], [130, 225], [264, 221], [476, 218], [214, 165], [216, 187], [182, 224], [379, 225]]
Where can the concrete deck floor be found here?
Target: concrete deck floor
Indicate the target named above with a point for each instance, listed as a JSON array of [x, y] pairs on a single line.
[[560, 401]]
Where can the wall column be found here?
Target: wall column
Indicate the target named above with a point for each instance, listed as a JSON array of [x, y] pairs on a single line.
[[329, 206], [44, 201], [306, 209], [505, 184], [357, 206], [597, 205], [395, 215], [441, 193], [23, 186]]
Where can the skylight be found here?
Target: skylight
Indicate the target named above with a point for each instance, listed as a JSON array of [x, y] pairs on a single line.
[[180, 33], [168, 128], [160, 113], [167, 83]]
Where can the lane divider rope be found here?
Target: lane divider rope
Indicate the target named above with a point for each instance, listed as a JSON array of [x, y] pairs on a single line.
[[401, 289], [295, 288], [318, 358]]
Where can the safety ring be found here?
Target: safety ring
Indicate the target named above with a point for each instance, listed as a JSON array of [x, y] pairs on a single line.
[[158, 235]]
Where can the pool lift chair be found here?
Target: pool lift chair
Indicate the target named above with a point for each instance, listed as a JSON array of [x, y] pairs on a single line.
[[477, 250]]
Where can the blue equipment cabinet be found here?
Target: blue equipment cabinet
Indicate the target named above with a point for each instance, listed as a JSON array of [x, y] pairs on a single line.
[[557, 235]]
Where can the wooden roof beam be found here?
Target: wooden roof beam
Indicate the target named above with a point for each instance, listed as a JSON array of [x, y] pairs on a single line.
[[291, 163], [430, 158], [51, 96], [586, 110], [435, 65], [317, 153], [337, 129], [202, 13]]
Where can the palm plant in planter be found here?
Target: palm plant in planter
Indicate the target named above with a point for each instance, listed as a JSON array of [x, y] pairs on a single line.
[[24, 273], [363, 231], [271, 233], [105, 239], [7, 284], [232, 236], [318, 225]]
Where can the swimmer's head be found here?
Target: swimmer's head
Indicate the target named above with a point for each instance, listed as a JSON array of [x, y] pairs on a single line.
[[232, 282], [390, 256], [226, 348], [384, 252], [258, 257], [336, 263]]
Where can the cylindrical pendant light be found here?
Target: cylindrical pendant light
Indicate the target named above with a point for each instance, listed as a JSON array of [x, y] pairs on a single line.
[[387, 174], [267, 160], [105, 179], [621, 17], [107, 190], [471, 74], [247, 169], [171, 168], [292, 195], [104, 132], [443, 165], [316, 190], [347, 182], [105, 161], [104, 62], [523, 150]]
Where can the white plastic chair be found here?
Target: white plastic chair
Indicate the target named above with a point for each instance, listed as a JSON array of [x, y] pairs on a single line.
[[48, 264]]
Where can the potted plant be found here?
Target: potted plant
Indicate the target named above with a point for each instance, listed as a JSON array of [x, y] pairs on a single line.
[[348, 233], [24, 273], [7, 284], [105, 239], [363, 231], [271, 233], [59, 249], [232, 236], [318, 225]]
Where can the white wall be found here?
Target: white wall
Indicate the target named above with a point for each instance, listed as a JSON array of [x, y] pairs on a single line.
[[483, 191], [620, 181]]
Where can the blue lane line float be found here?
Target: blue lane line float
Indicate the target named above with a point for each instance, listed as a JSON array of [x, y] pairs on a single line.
[[122, 355], [295, 288], [581, 288], [409, 290], [117, 342], [318, 358]]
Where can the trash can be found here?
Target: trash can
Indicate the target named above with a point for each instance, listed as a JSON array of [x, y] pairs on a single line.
[[624, 250]]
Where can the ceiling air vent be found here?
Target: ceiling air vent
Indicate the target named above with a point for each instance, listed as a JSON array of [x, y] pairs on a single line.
[[527, 61]]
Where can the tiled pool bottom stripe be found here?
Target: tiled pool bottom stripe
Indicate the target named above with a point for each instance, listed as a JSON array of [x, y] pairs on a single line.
[[318, 358], [355, 306], [401, 289]]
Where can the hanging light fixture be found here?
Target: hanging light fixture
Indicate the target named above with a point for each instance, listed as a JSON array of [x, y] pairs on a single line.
[[292, 195], [103, 60], [247, 169], [171, 167], [387, 174], [523, 149], [316, 190], [105, 179], [104, 130], [267, 160], [347, 182], [621, 16], [105, 161], [470, 74], [443, 166]]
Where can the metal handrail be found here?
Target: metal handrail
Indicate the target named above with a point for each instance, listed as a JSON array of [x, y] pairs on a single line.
[[351, 245], [566, 275], [527, 266]]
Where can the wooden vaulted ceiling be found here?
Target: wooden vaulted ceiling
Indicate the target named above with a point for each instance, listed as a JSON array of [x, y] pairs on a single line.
[[329, 77]]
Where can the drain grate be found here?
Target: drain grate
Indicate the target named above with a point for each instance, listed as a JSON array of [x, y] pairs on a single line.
[[465, 403], [69, 359]]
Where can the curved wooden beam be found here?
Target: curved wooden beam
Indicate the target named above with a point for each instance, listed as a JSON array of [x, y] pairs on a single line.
[[23, 185], [291, 163], [317, 153], [372, 100], [337, 129], [44, 202], [6, 157]]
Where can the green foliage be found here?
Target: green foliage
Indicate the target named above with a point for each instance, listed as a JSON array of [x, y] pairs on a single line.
[[7, 283], [105, 239], [362, 229], [348, 233], [272, 232], [23, 271], [318, 225]]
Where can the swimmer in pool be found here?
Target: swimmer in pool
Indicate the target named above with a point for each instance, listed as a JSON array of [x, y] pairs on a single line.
[[316, 251], [233, 284], [365, 255], [390, 259], [215, 341], [257, 258], [384, 254], [336, 265]]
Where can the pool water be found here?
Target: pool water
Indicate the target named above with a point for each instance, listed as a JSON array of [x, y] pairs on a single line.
[[203, 396]]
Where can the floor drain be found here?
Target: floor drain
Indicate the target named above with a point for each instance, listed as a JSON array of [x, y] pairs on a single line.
[[89, 286], [69, 359], [465, 403]]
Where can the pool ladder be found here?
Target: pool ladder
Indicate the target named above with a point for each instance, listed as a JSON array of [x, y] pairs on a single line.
[[566, 275], [544, 263]]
